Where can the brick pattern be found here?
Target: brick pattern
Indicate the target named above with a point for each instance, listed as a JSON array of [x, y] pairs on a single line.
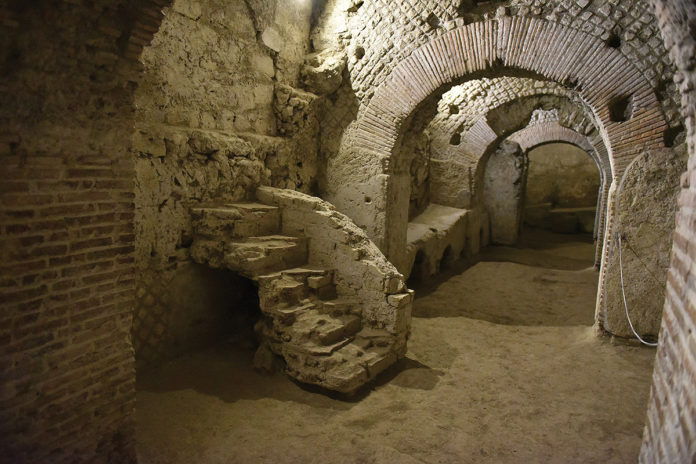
[[473, 99], [66, 240], [670, 433], [464, 108], [519, 43], [470, 122], [546, 131], [389, 32]]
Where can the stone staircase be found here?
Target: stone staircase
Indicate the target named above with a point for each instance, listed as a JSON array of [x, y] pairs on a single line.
[[318, 327]]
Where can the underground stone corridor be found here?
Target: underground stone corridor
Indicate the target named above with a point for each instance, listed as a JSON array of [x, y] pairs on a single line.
[[347, 231], [503, 373]]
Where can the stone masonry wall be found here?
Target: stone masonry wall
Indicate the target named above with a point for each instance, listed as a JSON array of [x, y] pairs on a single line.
[[218, 115], [378, 34], [68, 71], [562, 175], [507, 43], [409, 24], [670, 433], [381, 37]]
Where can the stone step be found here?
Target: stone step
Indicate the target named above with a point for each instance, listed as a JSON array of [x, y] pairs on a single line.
[[360, 367], [290, 286], [300, 274], [342, 367], [340, 307], [264, 255], [281, 293], [235, 220], [323, 329], [369, 338]]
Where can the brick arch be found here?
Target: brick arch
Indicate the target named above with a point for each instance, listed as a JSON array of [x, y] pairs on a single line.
[[518, 43], [600, 75], [477, 140], [487, 94], [551, 132], [454, 165], [480, 139]]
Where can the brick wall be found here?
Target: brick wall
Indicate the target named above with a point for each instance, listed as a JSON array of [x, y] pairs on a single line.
[[670, 433], [67, 75], [491, 48], [389, 32]]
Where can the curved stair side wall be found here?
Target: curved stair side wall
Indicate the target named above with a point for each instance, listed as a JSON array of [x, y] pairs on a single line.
[[362, 271]]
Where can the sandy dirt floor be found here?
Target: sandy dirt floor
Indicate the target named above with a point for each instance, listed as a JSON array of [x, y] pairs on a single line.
[[503, 367]]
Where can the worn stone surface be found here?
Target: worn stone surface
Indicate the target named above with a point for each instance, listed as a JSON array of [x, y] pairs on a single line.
[[529, 336], [334, 308], [218, 114], [213, 57], [647, 196], [436, 238], [177, 168], [504, 186], [520, 41], [560, 176], [323, 72], [84, 225]]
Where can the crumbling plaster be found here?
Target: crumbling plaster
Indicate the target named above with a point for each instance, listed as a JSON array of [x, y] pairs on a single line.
[[503, 42], [218, 115], [68, 242]]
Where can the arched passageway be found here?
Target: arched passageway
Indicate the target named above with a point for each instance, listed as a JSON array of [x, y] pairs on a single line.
[[493, 48], [562, 190], [69, 185]]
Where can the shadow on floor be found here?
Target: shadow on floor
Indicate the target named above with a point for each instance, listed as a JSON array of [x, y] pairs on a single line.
[[547, 280], [409, 373], [541, 248], [226, 372]]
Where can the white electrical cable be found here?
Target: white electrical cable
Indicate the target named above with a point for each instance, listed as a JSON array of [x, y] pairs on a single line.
[[623, 294]]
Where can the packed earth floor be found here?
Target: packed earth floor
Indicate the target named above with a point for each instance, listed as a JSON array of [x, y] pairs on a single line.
[[503, 367]]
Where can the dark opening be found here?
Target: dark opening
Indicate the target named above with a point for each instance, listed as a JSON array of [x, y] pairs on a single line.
[[621, 108], [672, 134], [456, 139], [464, 253], [417, 271], [471, 10], [614, 41], [453, 109], [355, 7], [433, 21], [359, 52], [201, 308], [244, 313], [447, 259]]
